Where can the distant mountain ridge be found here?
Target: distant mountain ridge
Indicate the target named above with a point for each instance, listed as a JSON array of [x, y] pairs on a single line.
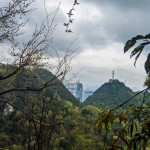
[[40, 77], [59, 88], [110, 95]]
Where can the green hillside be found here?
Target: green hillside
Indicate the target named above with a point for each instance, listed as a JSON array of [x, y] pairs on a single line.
[[35, 78], [48, 119], [110, 95], [57, 86]]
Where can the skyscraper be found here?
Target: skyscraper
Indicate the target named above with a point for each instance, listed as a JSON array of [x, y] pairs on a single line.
[[79, 91]]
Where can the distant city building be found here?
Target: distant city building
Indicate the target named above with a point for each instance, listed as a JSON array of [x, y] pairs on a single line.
[[87, 94], [79, 92]]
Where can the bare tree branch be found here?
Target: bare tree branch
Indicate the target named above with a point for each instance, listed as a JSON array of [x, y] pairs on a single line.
[[29, 116], [47, 84]]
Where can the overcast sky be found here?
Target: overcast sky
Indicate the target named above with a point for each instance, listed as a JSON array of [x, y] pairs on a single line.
[[102, 28]]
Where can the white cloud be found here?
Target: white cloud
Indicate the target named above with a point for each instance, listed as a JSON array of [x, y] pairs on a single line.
[[99, 63]]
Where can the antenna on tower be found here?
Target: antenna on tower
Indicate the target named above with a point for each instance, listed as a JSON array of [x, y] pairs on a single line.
[[125, 82], [113, 75]]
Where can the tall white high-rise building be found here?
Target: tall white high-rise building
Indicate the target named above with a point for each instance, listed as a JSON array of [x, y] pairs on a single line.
[[79, 92]]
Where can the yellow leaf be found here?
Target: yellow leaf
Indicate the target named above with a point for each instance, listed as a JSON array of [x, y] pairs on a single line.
[[115, 141], [99, 124], [105, 120]]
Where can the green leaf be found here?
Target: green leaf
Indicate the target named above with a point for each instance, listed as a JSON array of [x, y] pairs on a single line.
[[134, 123], [137, 49], [111, 117], [138, 37], [122, 115], [105, 120], [99, 124], [130, 43], [147, 36], [131, 129], [136, 58], [147, 64]]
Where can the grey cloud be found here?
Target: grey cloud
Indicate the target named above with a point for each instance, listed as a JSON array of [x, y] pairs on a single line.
[[126, 25], [122, 20], [91, 34], [95, 77], [122, 4], [60, 39]]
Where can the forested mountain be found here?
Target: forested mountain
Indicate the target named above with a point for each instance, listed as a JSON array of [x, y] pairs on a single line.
[[47, 119], [36, 78], [110, 95], [52, 118], [70, 128], [57, 86]]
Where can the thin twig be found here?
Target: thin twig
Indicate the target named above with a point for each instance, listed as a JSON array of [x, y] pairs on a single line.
[[47, 84]]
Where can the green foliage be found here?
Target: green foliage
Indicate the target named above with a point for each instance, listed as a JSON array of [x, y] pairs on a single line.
[[47, 109], [130, 43], [77, 131], [147, 64], [109, 95], [35, 78], [135, 130], [57, 86], [138, 49], [105, 120]]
